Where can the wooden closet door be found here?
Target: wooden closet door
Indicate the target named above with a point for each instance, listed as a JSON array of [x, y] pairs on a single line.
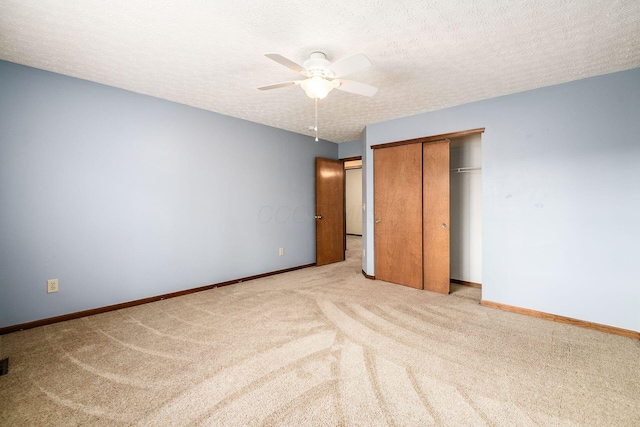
[[435, 185], [397, 180]]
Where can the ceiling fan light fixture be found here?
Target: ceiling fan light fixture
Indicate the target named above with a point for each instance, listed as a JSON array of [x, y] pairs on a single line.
[[317, 87], [323, 76]]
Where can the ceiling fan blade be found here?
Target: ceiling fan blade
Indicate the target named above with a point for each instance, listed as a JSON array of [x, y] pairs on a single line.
[[356, 87], [349, 65], [277, 85], [286, 62]]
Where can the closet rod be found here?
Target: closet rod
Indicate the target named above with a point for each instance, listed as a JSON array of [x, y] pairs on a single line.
[[462, 170]]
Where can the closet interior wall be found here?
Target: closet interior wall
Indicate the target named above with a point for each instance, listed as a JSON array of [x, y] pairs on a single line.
[[466, 208]]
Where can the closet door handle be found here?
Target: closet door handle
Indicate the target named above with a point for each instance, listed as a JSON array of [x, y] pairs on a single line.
[[318, 216], [377, 221], [444, 225]]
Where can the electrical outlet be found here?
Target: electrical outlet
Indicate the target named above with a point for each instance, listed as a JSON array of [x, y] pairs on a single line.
[[52, 285], [281, 252]]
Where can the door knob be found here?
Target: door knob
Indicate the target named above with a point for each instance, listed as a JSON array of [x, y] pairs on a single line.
[[377, 221], [318, 217], [444, 225]]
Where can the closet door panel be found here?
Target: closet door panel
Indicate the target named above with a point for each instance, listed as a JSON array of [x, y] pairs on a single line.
[[435, 198], [398, 214]]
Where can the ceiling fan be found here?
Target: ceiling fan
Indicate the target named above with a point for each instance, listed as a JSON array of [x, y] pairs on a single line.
[[322, 76]]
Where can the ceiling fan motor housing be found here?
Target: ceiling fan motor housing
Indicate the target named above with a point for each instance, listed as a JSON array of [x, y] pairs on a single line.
[[318, 65]]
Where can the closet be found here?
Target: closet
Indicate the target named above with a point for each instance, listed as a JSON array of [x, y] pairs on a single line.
[[412, 211]]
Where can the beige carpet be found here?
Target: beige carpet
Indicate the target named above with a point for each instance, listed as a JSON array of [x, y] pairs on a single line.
[[319, 347]]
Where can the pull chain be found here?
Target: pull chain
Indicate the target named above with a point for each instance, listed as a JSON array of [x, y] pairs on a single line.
[[316, 126]]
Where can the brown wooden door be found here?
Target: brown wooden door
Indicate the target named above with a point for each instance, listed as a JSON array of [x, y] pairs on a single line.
[[397, 181], [330, 219], [435, 186]]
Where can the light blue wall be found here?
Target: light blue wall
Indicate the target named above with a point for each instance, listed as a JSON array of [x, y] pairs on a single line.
[[350, 149], [560, 195], [122, 196]]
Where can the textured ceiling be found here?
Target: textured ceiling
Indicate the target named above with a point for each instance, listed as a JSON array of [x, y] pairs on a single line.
[[426, 55]]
